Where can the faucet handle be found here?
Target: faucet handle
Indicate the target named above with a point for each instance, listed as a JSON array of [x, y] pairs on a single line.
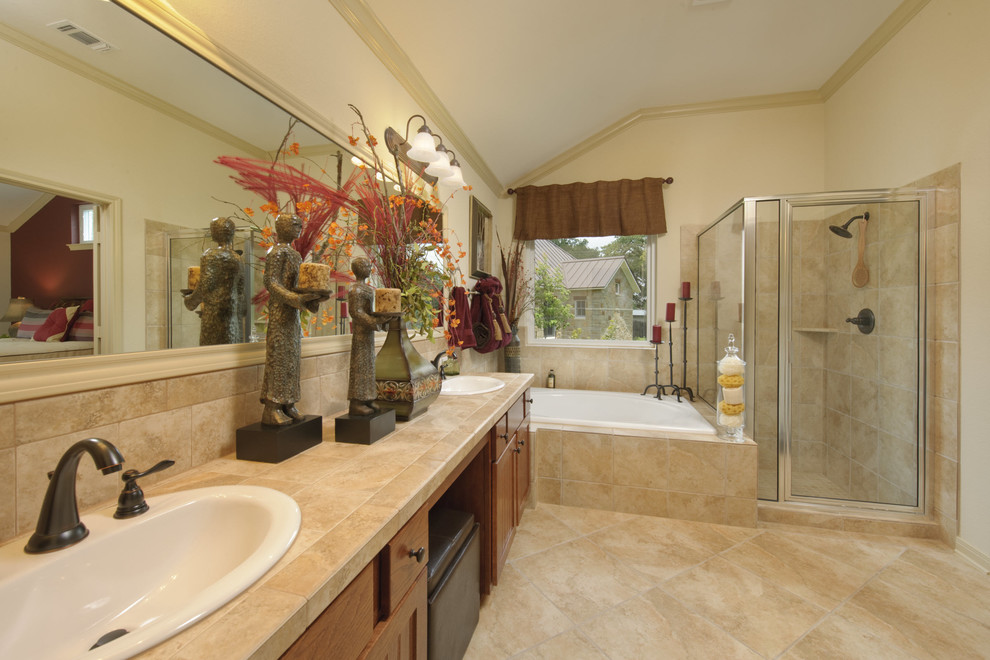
[[131, 501]]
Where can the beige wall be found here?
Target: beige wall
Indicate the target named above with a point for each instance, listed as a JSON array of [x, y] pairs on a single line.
[[102, 144], [715, 159], [918, 106]]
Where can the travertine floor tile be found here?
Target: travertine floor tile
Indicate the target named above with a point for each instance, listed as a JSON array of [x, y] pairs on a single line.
[[800, 569], [765, 617], [519, 617], [725, 592], [585, 521], [661, 547], [571, 645], [852, 632], [581, 579], [538, 531], [905, 605], [657, 626]]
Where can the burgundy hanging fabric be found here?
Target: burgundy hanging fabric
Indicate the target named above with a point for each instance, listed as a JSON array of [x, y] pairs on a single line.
[[488, 329], [461, 334]]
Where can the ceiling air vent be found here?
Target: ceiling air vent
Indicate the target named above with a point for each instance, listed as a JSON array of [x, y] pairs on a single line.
[[81, 35]]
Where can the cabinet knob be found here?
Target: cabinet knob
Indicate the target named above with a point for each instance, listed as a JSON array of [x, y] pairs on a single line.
[[529, 401], [521, 442], [518, 450], [504, 436], [418, 554]]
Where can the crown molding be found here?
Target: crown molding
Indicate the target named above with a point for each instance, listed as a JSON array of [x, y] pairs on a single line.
[[668, 112], [890, 27], [372, 31], [43, 50]]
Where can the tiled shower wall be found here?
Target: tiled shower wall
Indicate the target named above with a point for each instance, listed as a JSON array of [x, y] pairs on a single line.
[[190, 419], [942, 407]]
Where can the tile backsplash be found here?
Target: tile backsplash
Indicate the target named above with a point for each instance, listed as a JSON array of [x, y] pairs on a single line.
[[189, 419]]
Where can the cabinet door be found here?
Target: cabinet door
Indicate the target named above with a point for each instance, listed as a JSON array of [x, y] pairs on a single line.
[[523, 451], [403, 636], [343, 629], [504, 507]]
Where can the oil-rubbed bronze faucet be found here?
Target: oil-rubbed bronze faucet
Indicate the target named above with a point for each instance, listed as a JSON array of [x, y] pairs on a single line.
[[59, 525], [439, 362]]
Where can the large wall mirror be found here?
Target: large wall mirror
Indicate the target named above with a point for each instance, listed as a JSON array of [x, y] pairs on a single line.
[[107, 174]]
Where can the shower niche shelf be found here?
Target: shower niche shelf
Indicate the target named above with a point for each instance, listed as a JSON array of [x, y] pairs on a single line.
[[815, 330]]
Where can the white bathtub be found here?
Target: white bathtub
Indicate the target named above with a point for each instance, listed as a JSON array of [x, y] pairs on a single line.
[[615, 410]]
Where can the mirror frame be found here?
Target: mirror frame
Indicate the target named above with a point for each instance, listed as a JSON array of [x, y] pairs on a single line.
[[21, 381]]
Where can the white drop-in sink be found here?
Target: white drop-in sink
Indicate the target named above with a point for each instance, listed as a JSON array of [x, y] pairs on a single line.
[[465, 385], [153, 575]]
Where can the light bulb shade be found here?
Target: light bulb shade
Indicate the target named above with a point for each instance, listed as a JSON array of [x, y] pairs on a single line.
[[423, 148], [440, 168], [456, 178], [16, 310]]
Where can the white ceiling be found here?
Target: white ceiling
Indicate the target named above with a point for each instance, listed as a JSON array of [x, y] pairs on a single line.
[[528, 79]]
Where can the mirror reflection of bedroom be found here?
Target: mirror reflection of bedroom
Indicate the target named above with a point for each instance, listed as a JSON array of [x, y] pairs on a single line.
[[46, 275]]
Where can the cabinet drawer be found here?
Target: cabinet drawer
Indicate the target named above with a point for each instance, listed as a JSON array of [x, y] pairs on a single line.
[[345, 627], [403, 559], [516, 414], [501, 435]]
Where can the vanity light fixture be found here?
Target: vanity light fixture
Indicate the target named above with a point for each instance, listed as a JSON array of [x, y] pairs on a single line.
[[440, 168], [425, 154], [456, 177]]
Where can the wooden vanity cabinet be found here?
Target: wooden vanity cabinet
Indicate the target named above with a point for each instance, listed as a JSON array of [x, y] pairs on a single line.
[[381, 614], [511, 452]]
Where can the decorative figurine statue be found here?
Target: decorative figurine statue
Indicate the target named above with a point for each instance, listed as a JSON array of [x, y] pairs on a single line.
[[220, 289], [361, 388], [280, 385]]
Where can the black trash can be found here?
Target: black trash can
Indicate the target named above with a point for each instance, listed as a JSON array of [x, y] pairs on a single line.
[[453, 583]]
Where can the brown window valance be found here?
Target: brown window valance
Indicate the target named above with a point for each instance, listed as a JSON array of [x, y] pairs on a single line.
[[603, 208]]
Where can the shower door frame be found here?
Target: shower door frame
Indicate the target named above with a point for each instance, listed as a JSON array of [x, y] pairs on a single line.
[[925, 200]]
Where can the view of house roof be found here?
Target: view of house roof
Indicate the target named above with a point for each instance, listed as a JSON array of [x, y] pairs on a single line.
[[594, 273]]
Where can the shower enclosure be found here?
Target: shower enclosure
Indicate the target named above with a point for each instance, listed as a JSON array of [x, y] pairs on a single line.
[[828, 292]]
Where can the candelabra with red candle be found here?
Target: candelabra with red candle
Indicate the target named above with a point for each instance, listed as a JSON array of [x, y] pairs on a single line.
[[685, 297], [656, 340]]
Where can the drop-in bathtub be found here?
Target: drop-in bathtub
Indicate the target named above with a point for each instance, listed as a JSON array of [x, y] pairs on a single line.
[[598, 411], [635, 454]]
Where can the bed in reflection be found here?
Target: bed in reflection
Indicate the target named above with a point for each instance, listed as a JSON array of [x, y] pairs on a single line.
[[42, 334]]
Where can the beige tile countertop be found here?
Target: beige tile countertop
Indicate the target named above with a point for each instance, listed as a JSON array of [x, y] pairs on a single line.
[[353, 498]]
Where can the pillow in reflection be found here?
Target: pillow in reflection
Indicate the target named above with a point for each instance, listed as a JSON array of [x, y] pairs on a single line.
[[33, 319]]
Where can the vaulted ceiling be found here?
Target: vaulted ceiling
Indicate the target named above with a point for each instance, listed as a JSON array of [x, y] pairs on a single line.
[[526, 80]]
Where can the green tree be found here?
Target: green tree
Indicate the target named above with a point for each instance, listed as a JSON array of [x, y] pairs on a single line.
[[633, 249], [577, 247], [617, 328], [550, 310]]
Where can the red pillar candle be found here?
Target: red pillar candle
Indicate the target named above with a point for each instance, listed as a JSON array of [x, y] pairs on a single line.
[[657, 334], [343, 310], [671, 307], [685, 289]]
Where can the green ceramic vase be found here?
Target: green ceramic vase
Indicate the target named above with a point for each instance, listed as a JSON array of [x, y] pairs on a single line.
[[406, 380]]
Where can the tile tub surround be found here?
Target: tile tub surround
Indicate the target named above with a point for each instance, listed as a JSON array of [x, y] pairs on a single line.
[[671, 476], [583, 583], [354, 498]]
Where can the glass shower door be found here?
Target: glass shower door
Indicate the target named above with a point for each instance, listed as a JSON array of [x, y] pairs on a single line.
[[855, 395]]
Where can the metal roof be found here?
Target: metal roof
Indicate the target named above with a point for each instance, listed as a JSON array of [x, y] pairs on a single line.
[[594, 273]]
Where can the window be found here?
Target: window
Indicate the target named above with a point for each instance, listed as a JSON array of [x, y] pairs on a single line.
[[592, 288], [87, 223]]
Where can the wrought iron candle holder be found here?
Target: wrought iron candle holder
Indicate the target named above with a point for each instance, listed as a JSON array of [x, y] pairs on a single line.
[[684, 327], [674, 388]]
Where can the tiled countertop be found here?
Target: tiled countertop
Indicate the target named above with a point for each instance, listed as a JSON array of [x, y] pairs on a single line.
[[354, 498]]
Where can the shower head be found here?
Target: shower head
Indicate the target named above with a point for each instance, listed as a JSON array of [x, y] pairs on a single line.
[[843, 231]]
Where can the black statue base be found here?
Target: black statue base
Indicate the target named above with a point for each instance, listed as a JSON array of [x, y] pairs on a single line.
[[364, 430], [274, 444]]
